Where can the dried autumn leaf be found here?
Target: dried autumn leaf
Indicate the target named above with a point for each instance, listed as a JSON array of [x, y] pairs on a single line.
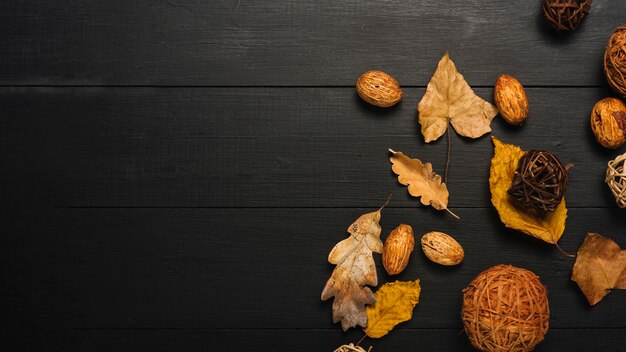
[[549, 227], [600, 267], [449, 98], [355, 269], [394, 304], [421, 180]]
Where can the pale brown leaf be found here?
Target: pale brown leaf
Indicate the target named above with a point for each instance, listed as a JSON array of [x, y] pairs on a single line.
[[600, 267], [354, 270], [421, 180], [449, 98]]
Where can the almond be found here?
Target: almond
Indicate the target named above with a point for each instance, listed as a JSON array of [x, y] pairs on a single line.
[[442, 248], [397, 249], [379, 89], [511, 101]]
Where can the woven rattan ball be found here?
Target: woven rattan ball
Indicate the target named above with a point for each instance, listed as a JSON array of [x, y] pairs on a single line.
[[615, 61], [505, 309], [565, 15], [616, 179], [539, 181]]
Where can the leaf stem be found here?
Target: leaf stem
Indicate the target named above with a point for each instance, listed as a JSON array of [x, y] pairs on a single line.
[[361, 340], [453, 214], [387, 202], [445, 175], [563, 251]]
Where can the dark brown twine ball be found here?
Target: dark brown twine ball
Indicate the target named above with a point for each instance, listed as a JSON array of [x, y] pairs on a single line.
[[615, 61], [505, 309], [565, 15], [539, 181]]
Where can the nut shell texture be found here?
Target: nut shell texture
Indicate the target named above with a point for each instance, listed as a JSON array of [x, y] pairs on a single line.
[[397, 249], [442, 248], [607, 122], [511, 101], [379, 89]]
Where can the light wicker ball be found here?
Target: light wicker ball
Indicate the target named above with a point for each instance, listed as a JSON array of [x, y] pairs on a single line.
[[615, 61], [616, 179], [505, 309]]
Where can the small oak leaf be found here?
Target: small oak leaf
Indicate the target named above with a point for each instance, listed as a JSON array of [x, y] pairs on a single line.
[[394, 304], [421, 180]]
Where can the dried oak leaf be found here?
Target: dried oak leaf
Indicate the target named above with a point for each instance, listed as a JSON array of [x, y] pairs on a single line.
[[355, 269], [548, 227], [600, 267], [421, 180], [394, 304], [449, 98]]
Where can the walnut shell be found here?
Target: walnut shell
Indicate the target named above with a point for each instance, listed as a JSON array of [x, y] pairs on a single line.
[[511, 100], [608, 120], [397, 249], [442, 248], [379, 89]]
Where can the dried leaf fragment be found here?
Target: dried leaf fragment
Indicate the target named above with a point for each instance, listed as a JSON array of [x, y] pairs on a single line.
[[599, 268], [355, 268], [548, 227], [394, 304], [421, 180], [449, 98]]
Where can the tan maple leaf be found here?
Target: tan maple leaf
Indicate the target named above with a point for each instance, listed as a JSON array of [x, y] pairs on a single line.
[[355, 269], [449, 99], [394, 304], [421, 180], [600, 267]]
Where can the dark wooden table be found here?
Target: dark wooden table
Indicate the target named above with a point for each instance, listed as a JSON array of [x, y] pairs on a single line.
[[175, 172]]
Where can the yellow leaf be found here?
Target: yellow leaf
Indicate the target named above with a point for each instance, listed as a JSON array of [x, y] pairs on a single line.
[[549, 227], [449, 98], [421, 180], [394, 304]]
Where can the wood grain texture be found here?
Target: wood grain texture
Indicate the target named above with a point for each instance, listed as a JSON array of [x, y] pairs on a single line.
[[175, 172], [250, 268], [242, 42], [304, 147], [322, 340]]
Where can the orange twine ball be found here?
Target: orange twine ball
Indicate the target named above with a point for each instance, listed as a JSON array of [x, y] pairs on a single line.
[[505, 309]]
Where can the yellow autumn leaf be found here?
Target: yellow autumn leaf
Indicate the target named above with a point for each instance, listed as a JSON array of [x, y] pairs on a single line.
[[394, 304], [548, 228]]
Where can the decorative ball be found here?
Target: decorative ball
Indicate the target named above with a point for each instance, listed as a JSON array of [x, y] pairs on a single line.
[[565, 15], [615, 61], [608, 122], [505, 309], [616, 179], [539, 181]]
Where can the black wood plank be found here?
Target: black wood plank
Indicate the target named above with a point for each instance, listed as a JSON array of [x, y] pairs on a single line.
[[320, 147], [240, 42], [569, 340], [250, 268]]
